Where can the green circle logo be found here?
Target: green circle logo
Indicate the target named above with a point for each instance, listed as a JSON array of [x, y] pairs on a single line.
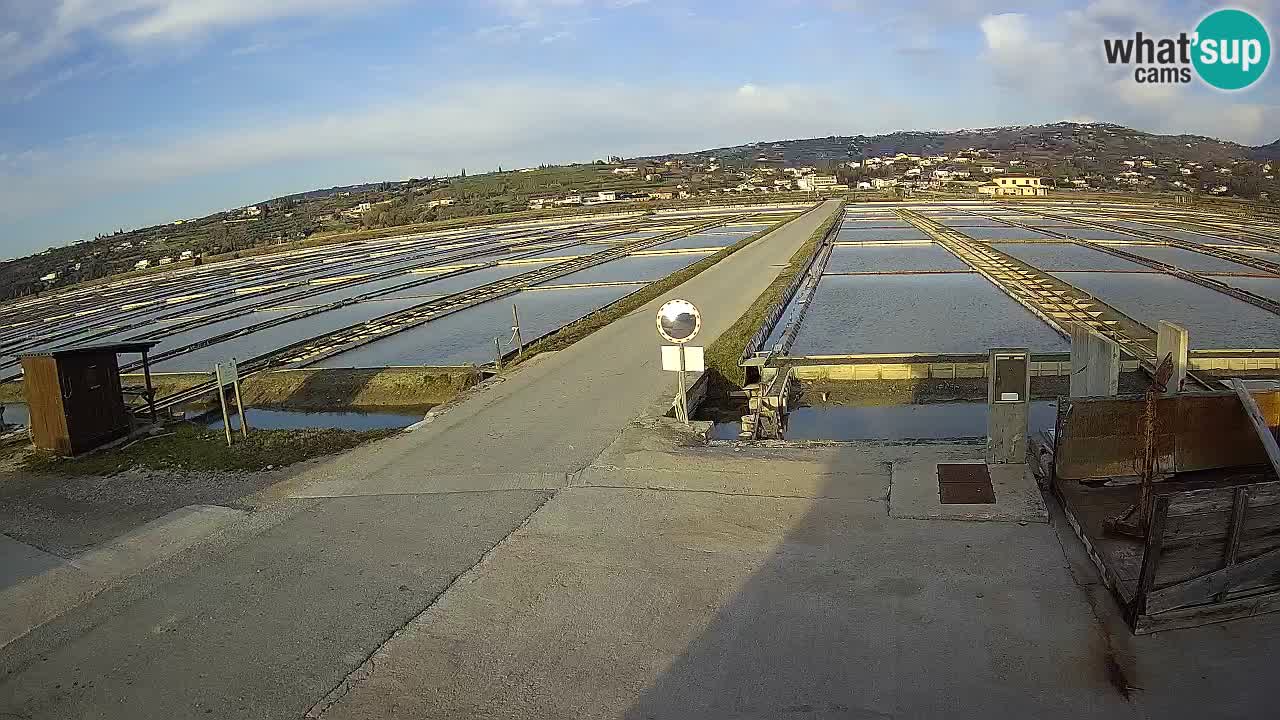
[[1231, 49]]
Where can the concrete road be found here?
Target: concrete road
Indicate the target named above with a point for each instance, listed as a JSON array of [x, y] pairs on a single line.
[[553, 418], [693, 582], [272, 614]]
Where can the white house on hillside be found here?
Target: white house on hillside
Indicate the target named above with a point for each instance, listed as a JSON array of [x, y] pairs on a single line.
[[1015, 186]]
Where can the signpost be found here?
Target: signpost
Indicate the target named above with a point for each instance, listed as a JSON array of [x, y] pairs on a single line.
[[515, 331], [229, 374], [679, 322]]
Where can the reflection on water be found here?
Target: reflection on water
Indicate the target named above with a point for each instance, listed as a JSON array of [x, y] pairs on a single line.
[[894, 422], [270, 419]]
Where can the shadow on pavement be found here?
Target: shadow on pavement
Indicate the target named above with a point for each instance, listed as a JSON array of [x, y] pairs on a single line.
[[857, 615]]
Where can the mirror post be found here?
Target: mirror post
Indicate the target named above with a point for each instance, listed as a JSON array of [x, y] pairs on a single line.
[[683, 401]]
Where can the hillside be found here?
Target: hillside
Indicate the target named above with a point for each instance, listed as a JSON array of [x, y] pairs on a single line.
[[1267, 152], [1060, 141], [1097, 156], [304, 215]]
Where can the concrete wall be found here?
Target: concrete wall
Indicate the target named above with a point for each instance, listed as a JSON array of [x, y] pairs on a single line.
[[922, 370]]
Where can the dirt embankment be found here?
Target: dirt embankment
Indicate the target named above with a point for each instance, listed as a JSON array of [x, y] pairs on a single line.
[[328, 389], [322, 388]]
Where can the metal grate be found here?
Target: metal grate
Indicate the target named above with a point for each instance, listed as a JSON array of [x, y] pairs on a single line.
[[965, 484]]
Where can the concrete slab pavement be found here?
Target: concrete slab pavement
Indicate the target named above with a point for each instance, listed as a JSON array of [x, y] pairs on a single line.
[[277, 615], [726, 582], [277, 621], [19, 561], [914, 493], [61, 584], [727, 602]]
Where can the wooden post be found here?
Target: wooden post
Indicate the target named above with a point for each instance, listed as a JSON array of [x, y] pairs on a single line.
[[515, 330], [1239, 503], [1151, 556], [146, 380], [497, 353], [235, 382], [222, 400], [1259, 423]]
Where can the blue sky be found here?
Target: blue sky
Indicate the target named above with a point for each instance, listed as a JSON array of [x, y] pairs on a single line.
[[123, 113]]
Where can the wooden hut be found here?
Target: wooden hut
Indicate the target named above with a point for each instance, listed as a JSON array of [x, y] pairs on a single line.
[[75, 396]]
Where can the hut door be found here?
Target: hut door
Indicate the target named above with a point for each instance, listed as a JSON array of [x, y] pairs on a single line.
[[88, 400]]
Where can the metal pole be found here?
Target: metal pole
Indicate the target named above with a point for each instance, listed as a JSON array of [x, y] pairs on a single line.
[[222, 400], [515, 330], [682, 411], [244, 422]]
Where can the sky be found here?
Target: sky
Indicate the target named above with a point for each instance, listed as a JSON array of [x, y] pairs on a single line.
[[126, 113]]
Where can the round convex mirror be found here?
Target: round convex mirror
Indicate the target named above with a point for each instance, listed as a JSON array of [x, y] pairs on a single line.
[[679, 321]]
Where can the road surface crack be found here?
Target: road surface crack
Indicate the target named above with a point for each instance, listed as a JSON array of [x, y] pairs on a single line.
[[369, 666]]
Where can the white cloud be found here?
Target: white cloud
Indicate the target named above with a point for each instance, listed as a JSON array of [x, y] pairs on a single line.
[[178, 19], [546, 21], [480, 125], [534, 10], [1057, 63], [44, 31]]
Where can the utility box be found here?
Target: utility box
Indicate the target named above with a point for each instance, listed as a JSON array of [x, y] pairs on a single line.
[[75, 397], [1008, 405]]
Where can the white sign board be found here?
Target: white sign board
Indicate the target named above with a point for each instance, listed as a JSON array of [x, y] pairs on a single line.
[[693, 358], [228, 373]]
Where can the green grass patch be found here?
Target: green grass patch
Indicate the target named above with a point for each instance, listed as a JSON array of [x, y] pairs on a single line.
[[191, 447], [12, 392], [575, 331], [722, 356]]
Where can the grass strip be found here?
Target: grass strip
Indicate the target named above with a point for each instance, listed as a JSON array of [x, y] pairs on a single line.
[[192, 447], [581, 328], [722, 356]]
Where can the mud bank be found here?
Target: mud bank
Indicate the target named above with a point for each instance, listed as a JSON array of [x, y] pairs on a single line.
[[322, 388]]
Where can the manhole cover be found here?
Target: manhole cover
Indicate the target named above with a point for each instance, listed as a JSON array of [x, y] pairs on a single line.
[[965, 484]]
